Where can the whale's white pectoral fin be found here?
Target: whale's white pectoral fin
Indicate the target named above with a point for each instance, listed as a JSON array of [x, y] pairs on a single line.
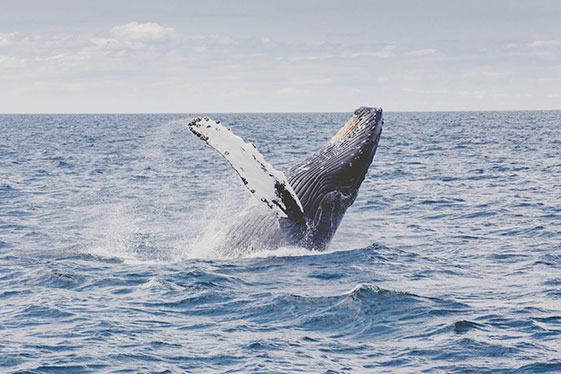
[[268, 185]]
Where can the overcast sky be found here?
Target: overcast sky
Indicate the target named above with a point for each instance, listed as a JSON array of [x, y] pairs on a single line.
[[277, 56]]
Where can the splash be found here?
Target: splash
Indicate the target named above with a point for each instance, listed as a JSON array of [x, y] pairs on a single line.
[[147, 221]]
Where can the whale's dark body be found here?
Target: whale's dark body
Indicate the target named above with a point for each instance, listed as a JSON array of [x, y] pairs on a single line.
[[326, 184]]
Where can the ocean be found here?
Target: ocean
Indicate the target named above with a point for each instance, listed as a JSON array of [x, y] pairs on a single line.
[[449, 261]]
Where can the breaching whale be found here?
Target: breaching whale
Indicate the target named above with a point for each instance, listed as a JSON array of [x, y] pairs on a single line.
[[307, 202]]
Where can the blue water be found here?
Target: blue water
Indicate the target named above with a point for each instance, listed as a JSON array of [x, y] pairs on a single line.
[[449, 260]]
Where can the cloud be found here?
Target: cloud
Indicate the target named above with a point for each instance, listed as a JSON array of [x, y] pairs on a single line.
[[134, 35], [425, 92], [485, 72], [421, 52], [7, 39], [11, 62], [546, 43], [143, 32], [313, 82], [322, 57], [477, 94], [313, 58], [60, 56], [379, 54], [110, 43]]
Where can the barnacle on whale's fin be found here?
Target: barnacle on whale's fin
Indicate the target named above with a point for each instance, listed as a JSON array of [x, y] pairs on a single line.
[[268, 185]]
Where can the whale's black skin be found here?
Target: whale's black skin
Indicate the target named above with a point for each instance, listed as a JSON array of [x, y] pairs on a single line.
[[326, 184]]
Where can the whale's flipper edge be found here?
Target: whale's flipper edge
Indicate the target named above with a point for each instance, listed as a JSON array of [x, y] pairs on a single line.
[[265, 183]]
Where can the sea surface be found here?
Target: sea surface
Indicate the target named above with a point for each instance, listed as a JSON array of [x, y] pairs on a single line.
[[448, 262]]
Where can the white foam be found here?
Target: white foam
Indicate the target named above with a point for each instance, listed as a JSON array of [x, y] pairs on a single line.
[[156, 282], [283, 252]]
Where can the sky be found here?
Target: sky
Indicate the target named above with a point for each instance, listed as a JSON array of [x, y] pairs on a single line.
[[74, 56]]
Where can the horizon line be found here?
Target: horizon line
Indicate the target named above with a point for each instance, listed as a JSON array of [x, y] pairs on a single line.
[[289, 112]]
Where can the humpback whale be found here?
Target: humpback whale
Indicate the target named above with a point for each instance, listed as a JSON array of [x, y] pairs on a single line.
[[306, 203]]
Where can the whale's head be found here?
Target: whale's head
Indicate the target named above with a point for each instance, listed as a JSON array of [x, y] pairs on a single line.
[[327, 182]]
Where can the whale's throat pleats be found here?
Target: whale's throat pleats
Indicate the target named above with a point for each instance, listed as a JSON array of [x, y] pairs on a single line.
[[340, 166]]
